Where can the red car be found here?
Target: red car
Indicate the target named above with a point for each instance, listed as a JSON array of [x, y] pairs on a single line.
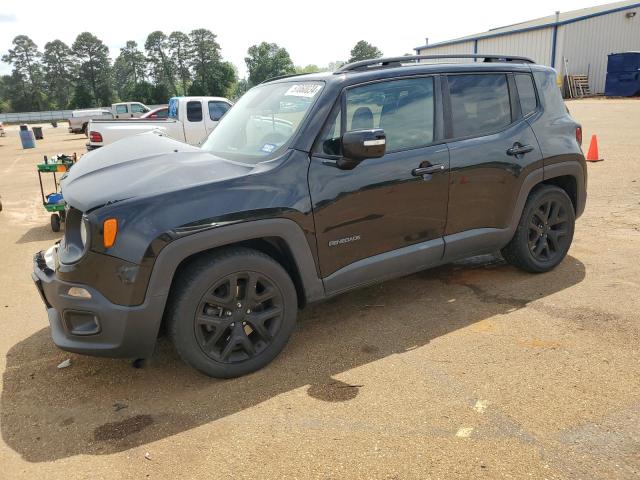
[[157, 114]]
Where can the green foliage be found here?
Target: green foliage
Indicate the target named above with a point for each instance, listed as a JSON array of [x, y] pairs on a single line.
[[130, 70], [309, 69], [59, 73], [364, 51], [94, 71], [267, 60], [161, 67], [181, 51], [212, 76], [5, 105], [27, 81]]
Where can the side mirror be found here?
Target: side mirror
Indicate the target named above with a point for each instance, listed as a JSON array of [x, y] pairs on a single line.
[[359, 145]]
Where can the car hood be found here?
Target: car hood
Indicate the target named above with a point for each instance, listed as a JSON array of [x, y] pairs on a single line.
[[142, 165]]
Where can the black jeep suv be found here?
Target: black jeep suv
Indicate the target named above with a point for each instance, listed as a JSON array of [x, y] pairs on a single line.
[[310, 186]]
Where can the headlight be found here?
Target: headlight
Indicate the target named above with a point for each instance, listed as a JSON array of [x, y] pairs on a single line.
[[84, 232]]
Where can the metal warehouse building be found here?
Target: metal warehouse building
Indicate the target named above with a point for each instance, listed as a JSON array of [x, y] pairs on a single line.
[[574, 43]]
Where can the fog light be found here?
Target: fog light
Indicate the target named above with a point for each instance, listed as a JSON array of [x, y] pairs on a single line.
[[81, 323], [79, 292]]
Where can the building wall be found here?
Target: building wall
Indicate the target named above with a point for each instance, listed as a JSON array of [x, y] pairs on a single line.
[[535, 44], [456, 48], [586, 44]]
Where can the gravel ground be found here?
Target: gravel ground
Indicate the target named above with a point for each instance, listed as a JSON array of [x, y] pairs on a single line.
[[473, 370]]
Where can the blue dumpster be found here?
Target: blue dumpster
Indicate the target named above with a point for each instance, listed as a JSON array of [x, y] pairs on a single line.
[[623, 75], [26, 137]]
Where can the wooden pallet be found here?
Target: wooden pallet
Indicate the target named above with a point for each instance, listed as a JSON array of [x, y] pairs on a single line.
[[579, 85]]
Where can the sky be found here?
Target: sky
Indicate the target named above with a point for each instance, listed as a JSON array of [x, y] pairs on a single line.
[[313, 32]]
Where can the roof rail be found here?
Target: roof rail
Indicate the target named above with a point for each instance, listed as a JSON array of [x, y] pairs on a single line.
[[398, 61]]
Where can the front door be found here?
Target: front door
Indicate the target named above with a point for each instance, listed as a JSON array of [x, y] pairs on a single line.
[[194, 129], [387, 203]]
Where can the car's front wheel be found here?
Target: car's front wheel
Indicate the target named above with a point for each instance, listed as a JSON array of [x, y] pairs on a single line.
[[231, 312], [545, 231]]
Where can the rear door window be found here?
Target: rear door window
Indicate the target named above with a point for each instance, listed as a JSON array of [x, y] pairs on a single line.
[[479, 104], [194, 111], [527, 93], [217, 110]]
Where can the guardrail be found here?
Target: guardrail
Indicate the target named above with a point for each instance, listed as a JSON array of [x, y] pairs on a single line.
[[28, 117], [47, 116]]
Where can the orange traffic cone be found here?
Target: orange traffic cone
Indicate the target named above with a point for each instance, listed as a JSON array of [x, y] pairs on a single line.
[[592, 154]]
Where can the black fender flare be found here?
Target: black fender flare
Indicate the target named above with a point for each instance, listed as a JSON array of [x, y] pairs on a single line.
[[576, 169], [289, 231]]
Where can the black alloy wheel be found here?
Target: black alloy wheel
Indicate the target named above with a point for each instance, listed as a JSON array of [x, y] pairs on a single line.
[[238, 317], [231, 311], [545, 231], [549, 230]]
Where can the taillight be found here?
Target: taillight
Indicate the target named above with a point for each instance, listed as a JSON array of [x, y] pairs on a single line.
[[579, 135], [95, 137]]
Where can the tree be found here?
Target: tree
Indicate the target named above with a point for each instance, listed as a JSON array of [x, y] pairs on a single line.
[[181, 52], [59, 72], [130, 69], [267, 60], [364, 51], [26, 79], [309, 69], [160, 65], [5, 106], [94, 74], [212, 76]]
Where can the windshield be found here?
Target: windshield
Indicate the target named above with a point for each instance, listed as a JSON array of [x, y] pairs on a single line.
[[263, 121]]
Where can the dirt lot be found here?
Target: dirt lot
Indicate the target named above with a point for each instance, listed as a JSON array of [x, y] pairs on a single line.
[[475, 370]]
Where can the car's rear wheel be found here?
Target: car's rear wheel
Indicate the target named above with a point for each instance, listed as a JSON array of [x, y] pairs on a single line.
[[545, 231], [231, 312]]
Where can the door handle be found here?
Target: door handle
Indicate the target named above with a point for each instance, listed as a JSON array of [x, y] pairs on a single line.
[[420, 171], [519, 149]]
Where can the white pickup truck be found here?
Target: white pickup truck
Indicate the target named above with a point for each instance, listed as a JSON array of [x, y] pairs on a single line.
[[190, 120]]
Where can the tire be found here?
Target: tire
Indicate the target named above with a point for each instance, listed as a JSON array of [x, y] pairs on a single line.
[[84, 130], [227, 332], [545, 231], [55, 222]]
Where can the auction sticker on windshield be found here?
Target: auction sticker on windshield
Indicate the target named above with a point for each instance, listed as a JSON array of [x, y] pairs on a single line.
[[308, 90]]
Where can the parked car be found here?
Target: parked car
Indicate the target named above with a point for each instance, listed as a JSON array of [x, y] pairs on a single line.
[[157, 114], [80, 118], [311, 186], [129, 109], [190, 120]]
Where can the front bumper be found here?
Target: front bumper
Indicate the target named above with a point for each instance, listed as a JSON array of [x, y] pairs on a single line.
[[96, 326]]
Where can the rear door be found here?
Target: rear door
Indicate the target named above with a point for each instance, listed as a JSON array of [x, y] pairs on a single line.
[[194, 127], [492, 149], [383, 204]]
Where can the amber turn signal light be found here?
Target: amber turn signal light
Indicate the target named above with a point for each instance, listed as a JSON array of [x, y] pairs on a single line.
[[109, 232]]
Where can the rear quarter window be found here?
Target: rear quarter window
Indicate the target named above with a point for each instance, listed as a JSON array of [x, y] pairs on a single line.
[[527, 93], [479, 104]]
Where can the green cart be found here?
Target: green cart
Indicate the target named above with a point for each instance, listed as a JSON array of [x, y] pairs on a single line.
[[54, 203]]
